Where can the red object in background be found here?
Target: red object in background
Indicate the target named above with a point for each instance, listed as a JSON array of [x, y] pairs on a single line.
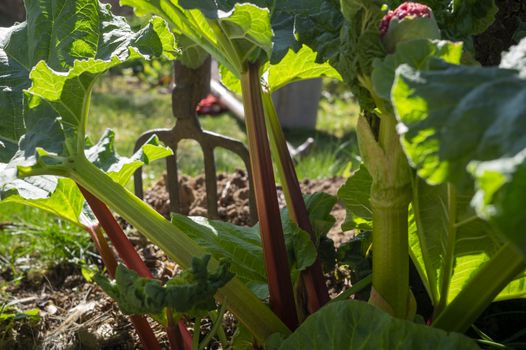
[[210, 105]]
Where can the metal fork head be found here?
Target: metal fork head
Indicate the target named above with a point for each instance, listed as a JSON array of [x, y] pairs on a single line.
[[191, 86]]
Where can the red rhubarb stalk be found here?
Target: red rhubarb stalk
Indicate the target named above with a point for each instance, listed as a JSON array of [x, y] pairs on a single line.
[[313, 281], [141, 325], [134, 262], [274, 251]]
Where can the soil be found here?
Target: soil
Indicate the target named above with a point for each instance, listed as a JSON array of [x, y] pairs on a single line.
[[233, 197], [75, 314]]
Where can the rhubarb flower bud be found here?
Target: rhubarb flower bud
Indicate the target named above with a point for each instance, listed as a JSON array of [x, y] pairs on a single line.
[[408, 21]]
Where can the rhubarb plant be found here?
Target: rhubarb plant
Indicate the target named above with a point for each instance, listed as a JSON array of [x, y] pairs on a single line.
[[51, 61], [367, 51]]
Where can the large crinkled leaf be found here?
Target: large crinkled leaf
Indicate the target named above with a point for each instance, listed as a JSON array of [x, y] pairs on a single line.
[[192, 55], [249, 27], [68, 91], [232, 33], [500, 197], [242, 245], [417, 54], [14, 70], [320, 205], [191, 293], [57, 196], [61, 196], [282, 23], [7, 150], [355, 197], [191, 24], [457, 119], [119, 168], [295, 66], [452, 116], [476, 242], [55, 35], [363, 326], [47, 47]]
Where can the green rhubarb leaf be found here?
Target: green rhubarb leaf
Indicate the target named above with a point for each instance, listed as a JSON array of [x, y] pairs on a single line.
[[241, 245], [14, 69], [296, 66], [317, 24], [302, 252], [320, 205], [454, 104], [7, 151], [461, 124], [62, 50], [281, 21], [119, 168], [417, 54], [363, 326], [476, 242], [232, 33], [69, 92], [190, 293], [192, 55], [248, 27], [58, 196], [61, 196], [355, 197]]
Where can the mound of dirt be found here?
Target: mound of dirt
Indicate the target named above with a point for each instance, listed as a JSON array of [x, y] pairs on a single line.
[[233, 199]]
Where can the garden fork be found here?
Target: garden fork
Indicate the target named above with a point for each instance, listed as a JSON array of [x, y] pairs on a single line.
[[191, 86]]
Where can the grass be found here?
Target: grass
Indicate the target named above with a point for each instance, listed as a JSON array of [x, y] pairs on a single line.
[[31, 239]]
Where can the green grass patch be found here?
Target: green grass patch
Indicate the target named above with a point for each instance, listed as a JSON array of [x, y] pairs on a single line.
[[31, 239]]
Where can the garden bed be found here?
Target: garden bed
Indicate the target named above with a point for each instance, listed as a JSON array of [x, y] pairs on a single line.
[[73, 313]]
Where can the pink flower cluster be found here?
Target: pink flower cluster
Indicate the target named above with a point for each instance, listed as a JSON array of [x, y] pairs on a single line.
[[413, 9]]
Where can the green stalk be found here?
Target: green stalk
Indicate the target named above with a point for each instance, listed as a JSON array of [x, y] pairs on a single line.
[[274, 250], [390, 254], [481, 290], [390, 197], [197, 333], [259, 319], [313, 280]]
